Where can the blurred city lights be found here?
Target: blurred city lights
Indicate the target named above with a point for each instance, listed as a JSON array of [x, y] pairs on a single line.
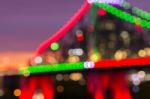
[[141, 13], [109, 25], [138, 77], [141, 75], [54, 46], [38, 60], [26, 74], [75, 52], [59, 77], [124, 34], [73, 59], [135, 79], [38, 96], [101, 12], [147, 77], [112, 37], [50, 58], [111, 44], [66, 77], [79, 35], [95, 57], [82, 82], [75, 76], [147, 50], [120, 55], [123, 15], [60, 88], [126, 5], [89, 64], [17, 92], [136, 89], [78, 52], [142, 53]]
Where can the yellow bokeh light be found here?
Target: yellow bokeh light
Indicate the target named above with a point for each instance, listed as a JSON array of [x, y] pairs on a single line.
[[142, 53], [26, 74], [66, 77], [95, 57], [147, 50], [76, 76], [124, 34], [73, 59], [120, 55]]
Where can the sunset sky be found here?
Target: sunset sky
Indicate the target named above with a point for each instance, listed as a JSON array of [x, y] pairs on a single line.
[[24, 24]]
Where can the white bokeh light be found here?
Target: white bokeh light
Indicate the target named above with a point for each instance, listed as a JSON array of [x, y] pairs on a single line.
[[89, 64], [38, 60]]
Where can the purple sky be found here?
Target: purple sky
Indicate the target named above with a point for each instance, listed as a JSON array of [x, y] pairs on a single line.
[[26, 23]]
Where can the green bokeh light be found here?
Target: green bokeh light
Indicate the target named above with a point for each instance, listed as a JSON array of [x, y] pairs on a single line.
[[54, 46]]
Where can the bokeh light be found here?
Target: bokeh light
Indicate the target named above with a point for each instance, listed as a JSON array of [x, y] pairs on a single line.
[[120, 55], [95, 57], [73, 59], [17, 92], [142, 53], [54, 46], [60, 89], [76, 76], [38, 96], [38, 60]]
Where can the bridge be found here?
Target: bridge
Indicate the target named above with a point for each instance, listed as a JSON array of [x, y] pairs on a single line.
[[107, 63], [104, 38]]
